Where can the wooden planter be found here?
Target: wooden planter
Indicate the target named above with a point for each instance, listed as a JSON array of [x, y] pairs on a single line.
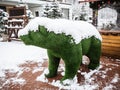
[[110, 43]]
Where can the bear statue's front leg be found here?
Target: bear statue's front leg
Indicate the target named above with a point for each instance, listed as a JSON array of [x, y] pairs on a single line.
[[72, 62], [53, 65]]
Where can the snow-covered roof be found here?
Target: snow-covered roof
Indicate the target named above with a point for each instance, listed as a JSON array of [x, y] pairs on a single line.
[[77, 29]]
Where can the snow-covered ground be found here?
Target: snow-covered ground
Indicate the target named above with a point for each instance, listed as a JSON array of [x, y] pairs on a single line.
[[15, 53]]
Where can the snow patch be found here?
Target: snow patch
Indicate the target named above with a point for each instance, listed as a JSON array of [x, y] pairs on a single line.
[[20, 81], [70, 81], [42, 76], [1, 39], [73, 85], [115, 79], [109, 87], [37, 69], [85, 60], [63, 73], [68, 84], [88, 75], [14, 53], [77, 29]]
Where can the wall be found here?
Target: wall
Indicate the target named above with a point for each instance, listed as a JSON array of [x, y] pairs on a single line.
[[65, 9], [36, 6], [36, 9]]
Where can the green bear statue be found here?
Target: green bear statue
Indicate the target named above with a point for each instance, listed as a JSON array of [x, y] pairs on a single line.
[[61, 44]]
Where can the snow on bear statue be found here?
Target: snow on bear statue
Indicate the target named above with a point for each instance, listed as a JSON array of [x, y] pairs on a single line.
[[64, 39]]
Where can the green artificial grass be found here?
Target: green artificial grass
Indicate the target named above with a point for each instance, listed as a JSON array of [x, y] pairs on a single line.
[[61, 46]]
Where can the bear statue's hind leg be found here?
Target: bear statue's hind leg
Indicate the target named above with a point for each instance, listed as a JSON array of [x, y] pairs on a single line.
[[94, 53], [53, 65]]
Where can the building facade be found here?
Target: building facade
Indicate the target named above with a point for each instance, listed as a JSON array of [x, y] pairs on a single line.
[[37, 6]]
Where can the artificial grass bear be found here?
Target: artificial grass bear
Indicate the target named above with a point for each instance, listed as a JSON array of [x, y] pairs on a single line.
[[64, 46]]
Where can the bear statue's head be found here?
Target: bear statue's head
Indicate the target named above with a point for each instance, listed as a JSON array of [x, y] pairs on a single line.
[[47, 39]]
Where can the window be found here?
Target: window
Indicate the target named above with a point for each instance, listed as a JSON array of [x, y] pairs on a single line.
[[36, 13]]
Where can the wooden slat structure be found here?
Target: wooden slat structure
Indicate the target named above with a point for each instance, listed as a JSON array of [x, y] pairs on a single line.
[[16, 21], [111, 43]]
